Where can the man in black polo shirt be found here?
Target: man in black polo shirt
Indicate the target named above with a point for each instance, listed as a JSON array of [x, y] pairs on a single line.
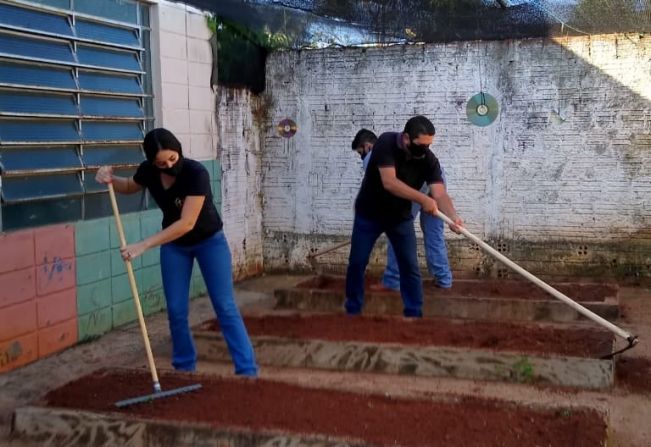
[[400, 163]]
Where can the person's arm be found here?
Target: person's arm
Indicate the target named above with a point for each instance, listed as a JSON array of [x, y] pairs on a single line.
[[400, 189], [189, 215], [123, 185]]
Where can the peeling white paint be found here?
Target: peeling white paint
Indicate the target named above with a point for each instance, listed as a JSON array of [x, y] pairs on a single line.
[[568, 157], [239, 147]]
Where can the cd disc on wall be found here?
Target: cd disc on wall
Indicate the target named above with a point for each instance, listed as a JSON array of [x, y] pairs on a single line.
[[287, 128], [482, 109]]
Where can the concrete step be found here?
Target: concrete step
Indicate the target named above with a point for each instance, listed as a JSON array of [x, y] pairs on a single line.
[[501, 300]]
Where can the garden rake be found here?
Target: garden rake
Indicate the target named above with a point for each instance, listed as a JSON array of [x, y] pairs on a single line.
[[158, 392], [313, 256], [630, 338]]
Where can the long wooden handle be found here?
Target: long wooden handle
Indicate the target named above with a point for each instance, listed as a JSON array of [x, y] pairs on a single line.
[[333, 248], [540, 283], [134, 291]]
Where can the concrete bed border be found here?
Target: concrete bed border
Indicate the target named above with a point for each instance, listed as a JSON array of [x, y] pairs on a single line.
[[71, 427], [426, 361], [481, 308], [53, 426]]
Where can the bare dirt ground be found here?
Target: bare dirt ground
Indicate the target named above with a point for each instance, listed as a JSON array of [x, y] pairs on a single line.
[[627, 409]]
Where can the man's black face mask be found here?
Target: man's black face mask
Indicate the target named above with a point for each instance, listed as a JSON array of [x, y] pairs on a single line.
[[417, 150]]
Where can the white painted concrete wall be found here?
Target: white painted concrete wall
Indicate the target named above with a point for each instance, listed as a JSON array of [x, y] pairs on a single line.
[[569, 157], [212, 124], [240, 150]]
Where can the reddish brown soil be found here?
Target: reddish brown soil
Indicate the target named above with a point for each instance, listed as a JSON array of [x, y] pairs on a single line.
[[500, 336], [259, 405], [634, 374], [488, 288]]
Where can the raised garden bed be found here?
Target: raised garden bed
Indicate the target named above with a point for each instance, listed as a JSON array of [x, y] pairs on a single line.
[[536, 353], [245, 412], [468, 298]]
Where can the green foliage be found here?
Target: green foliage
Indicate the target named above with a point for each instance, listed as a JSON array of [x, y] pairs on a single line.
[[227, 31], [565, 413], [523, 370], [242, 52]]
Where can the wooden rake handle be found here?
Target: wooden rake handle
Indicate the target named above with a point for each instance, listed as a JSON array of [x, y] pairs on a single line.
[[632, 339], [333, 248], [134, 291]]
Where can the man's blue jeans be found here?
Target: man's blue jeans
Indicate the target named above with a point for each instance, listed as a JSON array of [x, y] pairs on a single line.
[[403, 237], [436, 253], [214, 258]]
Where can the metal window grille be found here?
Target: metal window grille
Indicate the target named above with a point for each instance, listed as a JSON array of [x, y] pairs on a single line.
[[75, 94]]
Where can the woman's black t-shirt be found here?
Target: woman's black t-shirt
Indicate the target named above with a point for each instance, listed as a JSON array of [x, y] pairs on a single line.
[[192, 180]]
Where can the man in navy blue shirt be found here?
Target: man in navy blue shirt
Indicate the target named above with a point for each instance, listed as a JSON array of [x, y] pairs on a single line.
[[436, 251], [400, 163]]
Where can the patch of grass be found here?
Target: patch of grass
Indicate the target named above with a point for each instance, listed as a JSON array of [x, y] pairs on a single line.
[[565, 412], [523, 371]]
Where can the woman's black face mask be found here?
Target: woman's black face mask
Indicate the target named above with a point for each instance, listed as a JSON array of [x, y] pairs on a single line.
[[175, 169]]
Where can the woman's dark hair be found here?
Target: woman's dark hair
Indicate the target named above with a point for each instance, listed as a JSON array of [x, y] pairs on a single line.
[[159, 139], [419, 125]]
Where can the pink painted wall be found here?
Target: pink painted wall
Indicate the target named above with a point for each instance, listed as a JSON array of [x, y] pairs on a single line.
[[38, 299]]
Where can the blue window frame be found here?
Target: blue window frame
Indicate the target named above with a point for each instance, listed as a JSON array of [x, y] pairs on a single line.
[[103, 131], [75, 94], [106, 33], [17, 131], [119, 10], [14, 16], [23, 188], [22, 160], [12, 101], [118, 155], [61, 4], [37, 76], [25, 46], [97, 56], [110, 107], [110, 83]]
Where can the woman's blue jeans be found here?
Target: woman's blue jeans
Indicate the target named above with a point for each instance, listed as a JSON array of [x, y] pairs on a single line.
[[214, 258]]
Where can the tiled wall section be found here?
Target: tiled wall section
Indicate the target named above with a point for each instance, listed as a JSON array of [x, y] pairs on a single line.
[[186, 102], [104, 296], [38, 314], [64, 284]]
